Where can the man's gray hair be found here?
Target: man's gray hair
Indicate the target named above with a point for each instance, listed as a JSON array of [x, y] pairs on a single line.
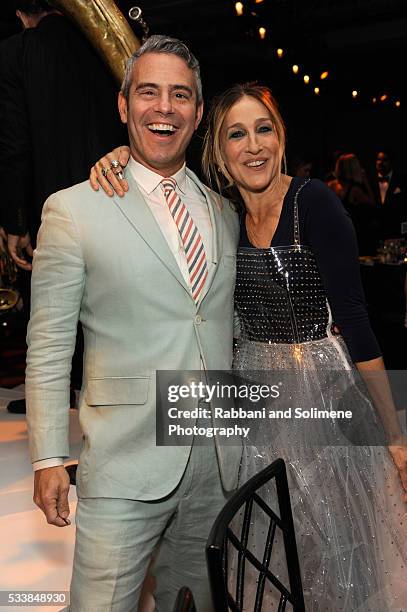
[[163, 44]]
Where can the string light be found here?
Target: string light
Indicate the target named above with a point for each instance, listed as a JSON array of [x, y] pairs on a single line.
[[239, 9], [259, 1]]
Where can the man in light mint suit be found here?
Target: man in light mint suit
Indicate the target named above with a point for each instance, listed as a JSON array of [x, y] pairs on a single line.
[[119, 265]]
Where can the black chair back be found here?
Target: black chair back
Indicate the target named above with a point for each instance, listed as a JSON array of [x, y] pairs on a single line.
[[223, 540]]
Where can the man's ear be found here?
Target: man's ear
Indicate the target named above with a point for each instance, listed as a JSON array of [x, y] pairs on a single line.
[[198, 114], [23, 18], [122, 104]]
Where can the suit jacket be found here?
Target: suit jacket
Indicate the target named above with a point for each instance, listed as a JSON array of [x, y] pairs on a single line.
[[393, 211], [106, 262], [58, 115]]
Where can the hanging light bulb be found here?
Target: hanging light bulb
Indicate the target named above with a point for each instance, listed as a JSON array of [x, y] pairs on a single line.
[[280, 52], [374, 100], [259, 1], [295, 69], [383, 98], [316, 90], [306, 79], [262, 33], [324, 75], [239, 9], [355, 93], [398, 103]]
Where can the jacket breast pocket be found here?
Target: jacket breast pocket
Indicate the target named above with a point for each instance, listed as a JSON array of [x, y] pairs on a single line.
[[117, 390]]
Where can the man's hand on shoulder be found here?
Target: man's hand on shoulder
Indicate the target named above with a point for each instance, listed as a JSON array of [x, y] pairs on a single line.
[[51, 488]]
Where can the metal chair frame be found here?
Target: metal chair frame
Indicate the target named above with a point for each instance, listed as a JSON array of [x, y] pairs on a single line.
[[221, 536]]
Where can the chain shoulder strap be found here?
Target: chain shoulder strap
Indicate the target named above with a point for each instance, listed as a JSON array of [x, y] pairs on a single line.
[[296, 217]]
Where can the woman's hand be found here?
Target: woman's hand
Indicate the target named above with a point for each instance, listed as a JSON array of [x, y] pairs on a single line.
[[399, 456], [377, 383], [105, 174]]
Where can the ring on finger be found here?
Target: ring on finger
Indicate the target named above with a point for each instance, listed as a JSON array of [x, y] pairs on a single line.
[[120, 175], [105, 171], [114, 163]]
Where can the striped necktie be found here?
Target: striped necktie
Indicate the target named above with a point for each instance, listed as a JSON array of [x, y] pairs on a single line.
[[190, 236]]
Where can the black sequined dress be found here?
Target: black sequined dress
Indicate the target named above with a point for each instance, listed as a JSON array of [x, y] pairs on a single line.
[[350, 520]]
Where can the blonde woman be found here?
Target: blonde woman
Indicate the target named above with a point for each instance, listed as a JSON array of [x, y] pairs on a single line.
[[297, 274]]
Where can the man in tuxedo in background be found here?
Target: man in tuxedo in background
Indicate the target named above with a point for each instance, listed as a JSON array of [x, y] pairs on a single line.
[[155, 294], [391, 195], [55, 95]]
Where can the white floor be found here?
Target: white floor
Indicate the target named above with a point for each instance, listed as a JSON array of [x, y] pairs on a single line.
[[33, 555]]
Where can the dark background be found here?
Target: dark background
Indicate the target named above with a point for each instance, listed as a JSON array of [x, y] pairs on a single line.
[[362, 43]]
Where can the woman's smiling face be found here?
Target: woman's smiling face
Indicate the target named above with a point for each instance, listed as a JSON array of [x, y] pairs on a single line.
[[249, 145]]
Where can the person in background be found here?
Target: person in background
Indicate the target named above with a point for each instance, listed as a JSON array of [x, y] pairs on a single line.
[[329, 174], [352, 187], [390, 187], [55, 93], [301, 166]]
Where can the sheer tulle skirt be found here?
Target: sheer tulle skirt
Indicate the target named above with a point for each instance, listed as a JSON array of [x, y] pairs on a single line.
[[349, 515]]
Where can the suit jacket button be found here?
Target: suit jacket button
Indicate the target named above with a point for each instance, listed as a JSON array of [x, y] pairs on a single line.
[[198, 319]]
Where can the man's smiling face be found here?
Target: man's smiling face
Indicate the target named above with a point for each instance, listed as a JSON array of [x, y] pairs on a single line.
[[162, 111]]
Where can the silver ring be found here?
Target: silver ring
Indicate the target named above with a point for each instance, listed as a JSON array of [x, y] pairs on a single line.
[[135, 13], [114, 164], [120, 175], [105, 171]]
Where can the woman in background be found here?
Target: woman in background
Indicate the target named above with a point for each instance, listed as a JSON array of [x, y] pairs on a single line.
[[352, 187]]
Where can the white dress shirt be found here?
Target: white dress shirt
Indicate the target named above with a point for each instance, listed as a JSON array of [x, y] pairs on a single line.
[[383, 187], [149, 183]]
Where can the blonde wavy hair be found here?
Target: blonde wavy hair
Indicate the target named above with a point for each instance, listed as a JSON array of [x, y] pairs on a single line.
[[213, 165]]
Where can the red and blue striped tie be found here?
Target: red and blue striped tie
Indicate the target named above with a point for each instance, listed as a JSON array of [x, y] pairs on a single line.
[[190, 236]]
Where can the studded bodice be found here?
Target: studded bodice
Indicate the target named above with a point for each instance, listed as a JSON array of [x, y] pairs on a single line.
[[279, 294]]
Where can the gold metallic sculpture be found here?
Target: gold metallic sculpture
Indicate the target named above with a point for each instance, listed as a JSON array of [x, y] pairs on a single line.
[[9, 295], [107, 29]]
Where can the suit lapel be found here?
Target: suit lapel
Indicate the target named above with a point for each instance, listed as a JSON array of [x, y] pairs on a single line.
[[390, 189], [137, 212]]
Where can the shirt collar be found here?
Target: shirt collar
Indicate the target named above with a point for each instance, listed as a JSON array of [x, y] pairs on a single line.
[[149, 180], [386, 176]]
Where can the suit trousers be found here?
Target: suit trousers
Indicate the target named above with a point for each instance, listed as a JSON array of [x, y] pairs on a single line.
[[115, 539]]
